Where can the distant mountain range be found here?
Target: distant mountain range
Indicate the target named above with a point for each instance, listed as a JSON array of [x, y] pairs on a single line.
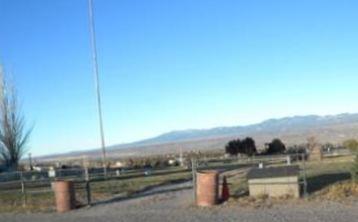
[[269, 126], [292, 130]]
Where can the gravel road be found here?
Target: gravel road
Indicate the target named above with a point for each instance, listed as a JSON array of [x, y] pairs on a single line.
[[173, 203]]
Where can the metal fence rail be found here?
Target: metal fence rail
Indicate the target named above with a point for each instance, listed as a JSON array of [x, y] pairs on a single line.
[[22, 188], [18, 188]]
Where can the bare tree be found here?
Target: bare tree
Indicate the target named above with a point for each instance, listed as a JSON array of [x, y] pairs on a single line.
[[311, 143], [13, 135]]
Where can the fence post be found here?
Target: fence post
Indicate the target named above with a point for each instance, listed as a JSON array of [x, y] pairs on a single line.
[[288, 159], [23, 190], [193, 167], [88, 187], [304, 176]]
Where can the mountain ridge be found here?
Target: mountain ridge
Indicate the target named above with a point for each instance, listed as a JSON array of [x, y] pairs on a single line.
[[293, 130], [307, 120]]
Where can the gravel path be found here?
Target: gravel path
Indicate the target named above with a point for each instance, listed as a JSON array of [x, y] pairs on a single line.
[[173, 203]]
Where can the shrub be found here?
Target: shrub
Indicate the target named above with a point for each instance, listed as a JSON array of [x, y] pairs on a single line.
[[246, 146], [297, 152], [351, 144], [276, 147], [232, 147]]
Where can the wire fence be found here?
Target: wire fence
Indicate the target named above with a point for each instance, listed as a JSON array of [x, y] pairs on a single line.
[[23, 188], [313, 174], [93, 185]]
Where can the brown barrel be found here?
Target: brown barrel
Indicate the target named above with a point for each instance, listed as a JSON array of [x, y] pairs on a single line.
[[64, 195], [207, 188]]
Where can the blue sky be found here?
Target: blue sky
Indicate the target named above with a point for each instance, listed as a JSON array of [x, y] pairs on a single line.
[[176, 64]]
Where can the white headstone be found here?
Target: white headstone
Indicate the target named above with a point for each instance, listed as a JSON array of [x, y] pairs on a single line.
[[52, 173], [261, 165]]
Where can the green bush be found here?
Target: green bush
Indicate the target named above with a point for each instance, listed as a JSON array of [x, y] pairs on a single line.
[[351, 144]]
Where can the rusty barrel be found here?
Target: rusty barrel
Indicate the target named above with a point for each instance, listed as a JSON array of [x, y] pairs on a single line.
[[64, 195], [207, 188]]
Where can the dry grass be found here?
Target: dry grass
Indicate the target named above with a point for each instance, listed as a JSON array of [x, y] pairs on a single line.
[[14, 202], [107, 189], [341, 191], [101, 190], [327, 180], [261, 201]]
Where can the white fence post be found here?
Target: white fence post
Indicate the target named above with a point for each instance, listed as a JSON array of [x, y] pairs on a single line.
[[23, 189]]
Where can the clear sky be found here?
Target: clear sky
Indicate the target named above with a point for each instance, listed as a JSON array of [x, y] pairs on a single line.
[[176, 64]]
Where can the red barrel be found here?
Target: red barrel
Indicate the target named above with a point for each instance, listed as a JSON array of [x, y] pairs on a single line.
[[207, 188], [64, 195]]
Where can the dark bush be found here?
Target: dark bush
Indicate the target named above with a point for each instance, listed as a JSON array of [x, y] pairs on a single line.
[[233, 147], [276, 147], [246, 146], [297, 152]]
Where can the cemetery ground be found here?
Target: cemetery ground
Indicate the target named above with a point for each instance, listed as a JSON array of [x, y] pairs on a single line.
[[332, 197]]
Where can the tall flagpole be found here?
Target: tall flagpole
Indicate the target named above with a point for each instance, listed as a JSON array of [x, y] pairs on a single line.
[[97, 86]]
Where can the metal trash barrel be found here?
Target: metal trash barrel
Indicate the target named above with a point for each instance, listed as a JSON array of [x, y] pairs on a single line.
[[207, 188], [64, 195]]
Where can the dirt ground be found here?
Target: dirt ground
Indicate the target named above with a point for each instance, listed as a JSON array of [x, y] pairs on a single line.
[[174, 203]]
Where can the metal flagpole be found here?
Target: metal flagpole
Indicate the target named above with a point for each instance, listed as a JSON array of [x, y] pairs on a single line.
[[96, 80]]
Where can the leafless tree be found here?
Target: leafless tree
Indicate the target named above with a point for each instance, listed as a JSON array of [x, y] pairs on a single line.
[[311, 143], [13, 134]]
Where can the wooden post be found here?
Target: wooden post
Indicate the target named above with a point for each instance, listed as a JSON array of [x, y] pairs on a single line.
[[88, 187], [193, 167], [304, 177]]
